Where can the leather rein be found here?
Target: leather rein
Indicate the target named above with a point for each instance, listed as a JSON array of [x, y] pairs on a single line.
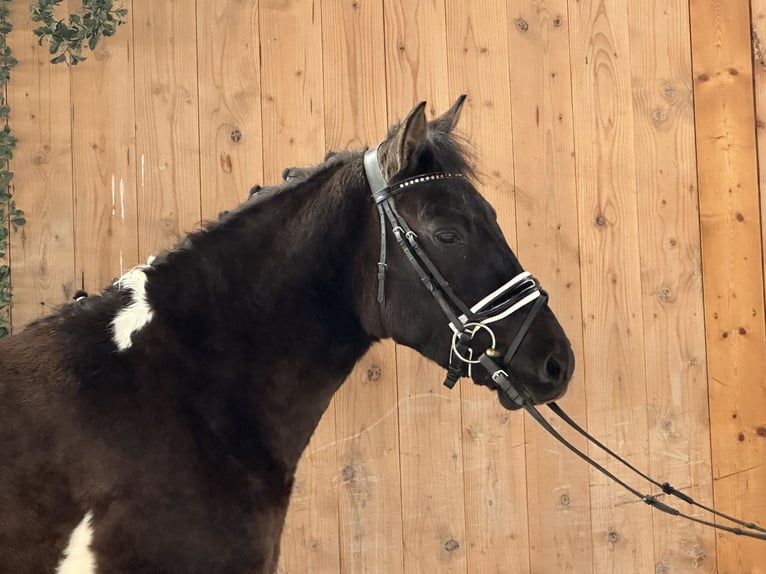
[[465, 322]]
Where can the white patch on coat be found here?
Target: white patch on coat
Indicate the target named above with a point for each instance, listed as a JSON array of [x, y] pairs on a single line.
[[137, 314], [78, 558]]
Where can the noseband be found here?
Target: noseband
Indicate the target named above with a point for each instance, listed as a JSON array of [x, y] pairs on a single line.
[[465, 322]]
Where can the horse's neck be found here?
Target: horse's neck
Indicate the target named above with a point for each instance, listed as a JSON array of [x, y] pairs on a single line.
[[269, 324]]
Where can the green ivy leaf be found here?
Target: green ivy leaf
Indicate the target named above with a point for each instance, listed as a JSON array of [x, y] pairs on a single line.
[[10, 216], [68, 38]]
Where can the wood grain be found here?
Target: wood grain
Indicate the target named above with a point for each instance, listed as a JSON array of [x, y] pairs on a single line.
[[41, 252], [104, 162], [291, 85], [614, 360], [545, 183], [671, 276], [367, 412], [732, 267], [167, 135], [229, 86]]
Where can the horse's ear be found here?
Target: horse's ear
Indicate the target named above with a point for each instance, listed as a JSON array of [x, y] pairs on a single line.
[[401, 148], [447, 121]]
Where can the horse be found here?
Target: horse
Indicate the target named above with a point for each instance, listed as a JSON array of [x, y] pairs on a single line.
[[156, 427]]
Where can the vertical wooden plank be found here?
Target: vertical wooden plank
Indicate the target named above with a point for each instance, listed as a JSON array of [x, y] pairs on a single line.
[[543, 142], [614, 359], [291, 85], [167, 137], [433, 519], [758, 31], [732, 267], [671, 275], [368, 457], [104, 166], [366, 415], [293, 129], [42, 252], [231, 158], [493, 438]]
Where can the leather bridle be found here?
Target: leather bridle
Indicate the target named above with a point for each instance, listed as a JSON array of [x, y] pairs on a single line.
[[466, 322]]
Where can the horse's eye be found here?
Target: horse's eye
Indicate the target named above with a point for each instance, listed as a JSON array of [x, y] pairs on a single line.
[[448, 236]]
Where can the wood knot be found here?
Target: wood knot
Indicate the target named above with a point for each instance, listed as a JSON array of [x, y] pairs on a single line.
[[564, 500], [742, 331], [521, 24], [236, 135], [698, 555], [668, 90], [741, 437], [659, 116], [667, 425], [600, 220], [761, 431], [348, 473], [101, 55], [557, 21], [740, 217], [451, 545], [661, 568], [225, 162], [703, 77], [374, 372], [613, 537], [664, 295]]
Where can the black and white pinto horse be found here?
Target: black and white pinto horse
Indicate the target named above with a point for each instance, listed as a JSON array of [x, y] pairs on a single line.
[[156, 427]]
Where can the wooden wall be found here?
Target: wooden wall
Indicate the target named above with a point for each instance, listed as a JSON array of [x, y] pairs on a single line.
[[619, 145]]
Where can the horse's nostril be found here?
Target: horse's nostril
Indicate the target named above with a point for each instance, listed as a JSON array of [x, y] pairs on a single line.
[[554, 369]]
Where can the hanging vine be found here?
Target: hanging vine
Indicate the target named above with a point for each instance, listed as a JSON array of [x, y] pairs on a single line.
[[66, 42], [11, 217]]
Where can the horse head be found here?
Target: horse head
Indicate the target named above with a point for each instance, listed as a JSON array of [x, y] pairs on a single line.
[[447, 283]]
